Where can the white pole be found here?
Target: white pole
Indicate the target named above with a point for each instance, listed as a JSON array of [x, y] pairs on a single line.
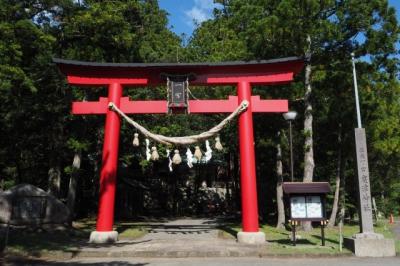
[[356, 92], [291, 150]]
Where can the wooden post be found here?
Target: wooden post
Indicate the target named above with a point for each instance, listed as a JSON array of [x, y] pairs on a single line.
[[323, 232], [293, 223]]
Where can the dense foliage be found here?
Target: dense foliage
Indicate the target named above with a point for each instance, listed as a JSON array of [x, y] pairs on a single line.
[[39, 136]]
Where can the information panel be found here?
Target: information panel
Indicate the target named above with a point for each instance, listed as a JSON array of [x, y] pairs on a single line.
[[314, 207], [298, 207], [306, 207]]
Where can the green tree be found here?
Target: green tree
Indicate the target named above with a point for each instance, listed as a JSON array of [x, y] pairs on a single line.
[[24, 74], [272, 29]]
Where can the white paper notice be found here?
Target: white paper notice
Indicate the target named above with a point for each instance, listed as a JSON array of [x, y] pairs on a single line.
[[298, 207], [314, 207]]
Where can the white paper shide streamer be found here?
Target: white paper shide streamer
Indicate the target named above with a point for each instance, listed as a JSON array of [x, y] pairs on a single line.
[[189, 157], [208, 153], [169, 159], [148, 154]]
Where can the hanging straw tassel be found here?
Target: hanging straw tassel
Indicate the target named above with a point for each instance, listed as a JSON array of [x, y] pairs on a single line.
[[177, 158], [135, 141], [218, 144], [197, 153], [154, 154]]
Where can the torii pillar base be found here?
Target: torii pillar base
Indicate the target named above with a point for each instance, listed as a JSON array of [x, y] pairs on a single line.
[[252, 238], [106, 237]]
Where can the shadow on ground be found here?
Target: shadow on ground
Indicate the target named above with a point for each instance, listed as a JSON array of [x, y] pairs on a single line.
[[15, 262], [34, 242]]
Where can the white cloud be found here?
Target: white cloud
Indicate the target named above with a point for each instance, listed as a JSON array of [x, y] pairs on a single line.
[[197, 15], [205, 4], [201, 11]]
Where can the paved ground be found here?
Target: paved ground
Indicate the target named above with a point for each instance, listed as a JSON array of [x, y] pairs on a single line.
[[217, 261], [184, 229], [177, 238]]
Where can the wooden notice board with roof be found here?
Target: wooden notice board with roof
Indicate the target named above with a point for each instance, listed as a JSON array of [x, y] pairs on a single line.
[[307, 203], [307, 200]]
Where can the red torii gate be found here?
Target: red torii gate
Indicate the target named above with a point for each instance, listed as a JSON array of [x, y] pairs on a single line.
[[238, 73]]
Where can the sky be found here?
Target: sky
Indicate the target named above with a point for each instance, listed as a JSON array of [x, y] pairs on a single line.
[[184, 13]]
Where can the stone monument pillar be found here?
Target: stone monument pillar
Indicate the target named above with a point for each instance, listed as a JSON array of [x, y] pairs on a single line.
[[367, 243]]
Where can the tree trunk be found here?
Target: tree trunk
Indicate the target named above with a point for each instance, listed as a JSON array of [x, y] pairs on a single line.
[[97, 163], [343, 195], [234, 172], [279, 190], [54, 180], [18, 168], [308, 130], [54, 173], [73, 182], [340, 166]]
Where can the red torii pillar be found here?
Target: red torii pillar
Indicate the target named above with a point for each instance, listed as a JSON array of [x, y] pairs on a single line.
[[108, 172], [241, 74]]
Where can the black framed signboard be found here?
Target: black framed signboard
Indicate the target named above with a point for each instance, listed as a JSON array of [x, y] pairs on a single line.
[[307, 203]]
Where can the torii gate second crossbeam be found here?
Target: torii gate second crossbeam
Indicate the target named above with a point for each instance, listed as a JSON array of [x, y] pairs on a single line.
[[241, 74]]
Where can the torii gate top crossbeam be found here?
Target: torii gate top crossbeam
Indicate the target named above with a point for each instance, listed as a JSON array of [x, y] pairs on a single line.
[[264, 72]]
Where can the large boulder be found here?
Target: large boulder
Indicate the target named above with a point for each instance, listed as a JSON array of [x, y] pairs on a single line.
[[29, 205]]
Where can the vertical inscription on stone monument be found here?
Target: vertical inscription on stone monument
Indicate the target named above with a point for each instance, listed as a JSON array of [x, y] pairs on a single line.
[[363, 182]]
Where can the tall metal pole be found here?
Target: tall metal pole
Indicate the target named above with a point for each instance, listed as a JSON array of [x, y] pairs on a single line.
[[290, 116], [291, 149], [356, 91]]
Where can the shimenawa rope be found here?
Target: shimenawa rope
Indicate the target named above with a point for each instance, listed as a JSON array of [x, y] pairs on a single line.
[[185, 140]]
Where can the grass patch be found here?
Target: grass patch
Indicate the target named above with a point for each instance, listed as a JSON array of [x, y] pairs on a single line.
[[225, 235], [397, 243], [310, 242], [132, 233], [397, 239], [34, 243]]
